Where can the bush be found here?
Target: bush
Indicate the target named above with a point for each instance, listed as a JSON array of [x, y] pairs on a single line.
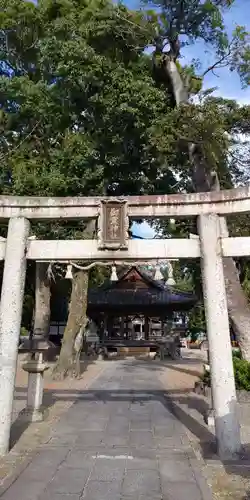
[[241, 374], [237, 354], [206, 378], [24, 332]]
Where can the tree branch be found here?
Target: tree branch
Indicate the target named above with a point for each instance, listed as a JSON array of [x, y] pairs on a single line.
[[221, 62], [21, 142]]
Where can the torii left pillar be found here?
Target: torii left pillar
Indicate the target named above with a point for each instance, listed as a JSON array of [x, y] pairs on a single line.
[[10, 320]]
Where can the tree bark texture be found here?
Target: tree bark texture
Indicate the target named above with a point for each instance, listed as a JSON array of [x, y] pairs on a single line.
[[205, 180], [76, 320], [42, 300]]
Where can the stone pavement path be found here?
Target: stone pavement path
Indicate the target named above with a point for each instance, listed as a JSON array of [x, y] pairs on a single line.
[[119, 441]]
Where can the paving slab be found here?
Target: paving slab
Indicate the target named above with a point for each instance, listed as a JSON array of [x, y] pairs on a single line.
[[141, 481], [69, 481], [58, 496], [118, 441], [102, 490], [25, 490]]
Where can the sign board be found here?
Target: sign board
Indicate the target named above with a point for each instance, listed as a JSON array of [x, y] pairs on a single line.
[[113, 224]]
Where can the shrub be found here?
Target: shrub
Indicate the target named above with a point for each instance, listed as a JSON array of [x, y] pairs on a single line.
[[24, 331], [237, 354], [206, 378], [241, 373]]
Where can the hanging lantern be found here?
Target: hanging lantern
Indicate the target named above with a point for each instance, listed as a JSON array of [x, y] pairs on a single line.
[[158, 274], [113, 276], [69, 275], [170, 281]]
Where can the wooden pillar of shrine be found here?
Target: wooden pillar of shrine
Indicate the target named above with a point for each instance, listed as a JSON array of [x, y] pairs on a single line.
[[146, 328], [122, 327]]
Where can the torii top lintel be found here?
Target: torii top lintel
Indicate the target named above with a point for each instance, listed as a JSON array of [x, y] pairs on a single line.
[[148, 206]]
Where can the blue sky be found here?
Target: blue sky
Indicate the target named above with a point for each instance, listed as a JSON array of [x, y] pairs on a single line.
[[228, 83]]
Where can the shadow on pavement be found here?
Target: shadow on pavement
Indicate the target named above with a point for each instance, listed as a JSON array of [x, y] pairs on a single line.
[[240, 467]]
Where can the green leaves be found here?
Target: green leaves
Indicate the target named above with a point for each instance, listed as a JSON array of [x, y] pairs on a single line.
[[81, 109], [240, 54], [185, 22], [193, 19], [79, 105], [82, 112]]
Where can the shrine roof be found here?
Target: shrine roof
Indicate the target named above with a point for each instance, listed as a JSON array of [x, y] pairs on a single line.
[[136, 290]]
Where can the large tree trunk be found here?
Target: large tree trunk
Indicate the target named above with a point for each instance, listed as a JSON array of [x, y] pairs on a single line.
[[77, 317], [42, 300], [238, 306], [76, 320], [205, 180]]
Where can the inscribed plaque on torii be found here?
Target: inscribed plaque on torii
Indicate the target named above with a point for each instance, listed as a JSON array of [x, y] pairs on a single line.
[[113, 224]]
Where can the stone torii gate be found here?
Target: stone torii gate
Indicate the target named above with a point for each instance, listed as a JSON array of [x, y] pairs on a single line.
[[113, 246]]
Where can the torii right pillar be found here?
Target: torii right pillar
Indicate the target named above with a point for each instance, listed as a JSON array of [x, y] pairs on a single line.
[[227, 426]]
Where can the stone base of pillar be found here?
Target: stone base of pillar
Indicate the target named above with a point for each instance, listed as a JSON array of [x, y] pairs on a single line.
[[33, 415], [151, 355], [102, 354], [34, 412], [209, 417]]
